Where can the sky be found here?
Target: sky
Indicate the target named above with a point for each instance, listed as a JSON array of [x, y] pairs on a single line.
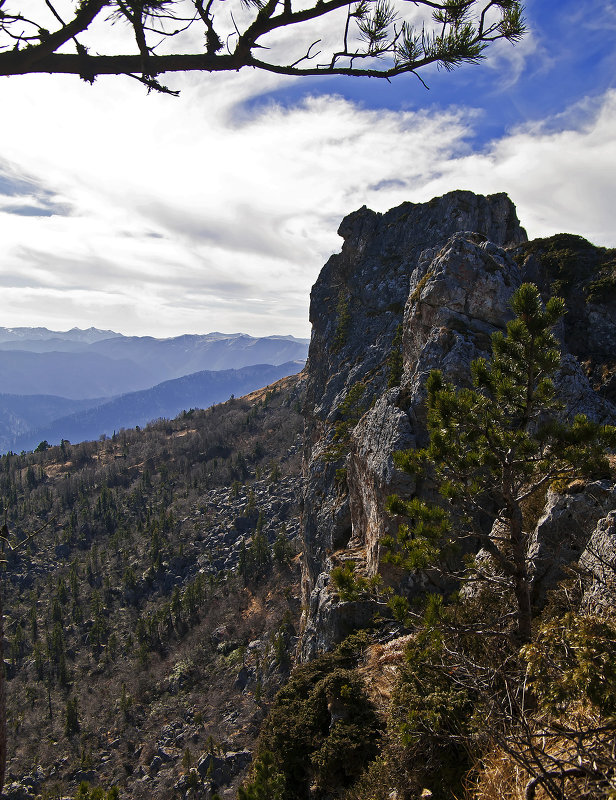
[[215, 211]]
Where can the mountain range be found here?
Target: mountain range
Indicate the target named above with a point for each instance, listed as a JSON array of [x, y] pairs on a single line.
[[48, 376], [166, 400]]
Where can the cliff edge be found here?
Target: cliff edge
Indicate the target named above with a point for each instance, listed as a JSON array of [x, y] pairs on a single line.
[[422, 286]]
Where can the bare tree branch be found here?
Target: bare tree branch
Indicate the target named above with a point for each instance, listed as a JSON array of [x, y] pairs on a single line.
[[369, 35]]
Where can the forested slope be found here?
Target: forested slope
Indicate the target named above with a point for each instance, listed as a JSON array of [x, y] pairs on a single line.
[[134, 647]]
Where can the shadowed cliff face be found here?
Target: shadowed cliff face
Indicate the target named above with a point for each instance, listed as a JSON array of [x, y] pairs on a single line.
[[418, 288], [398, 272], [585, 276]]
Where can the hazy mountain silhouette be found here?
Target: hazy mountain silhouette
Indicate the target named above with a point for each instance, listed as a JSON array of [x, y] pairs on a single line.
[[167, 399], [89, 364], [21, 413]]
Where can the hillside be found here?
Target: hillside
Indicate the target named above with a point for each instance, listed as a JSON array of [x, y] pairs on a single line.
[[134, 648]]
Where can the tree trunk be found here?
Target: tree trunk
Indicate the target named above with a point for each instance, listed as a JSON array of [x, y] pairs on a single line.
[[521, 583]]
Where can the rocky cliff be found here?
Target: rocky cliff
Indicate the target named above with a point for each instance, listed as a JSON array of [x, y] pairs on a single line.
[[419, 287]]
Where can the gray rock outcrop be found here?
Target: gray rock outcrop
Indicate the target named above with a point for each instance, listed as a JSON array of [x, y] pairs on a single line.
[[441, 274], [564, 531], [221, 769], [599, 561], [412, 267]]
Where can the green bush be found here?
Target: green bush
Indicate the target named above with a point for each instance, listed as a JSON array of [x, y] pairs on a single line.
[[351, 586], [572, 659], [350, 411], [322, 729], [343, 322], [394, 360], [266, 784]]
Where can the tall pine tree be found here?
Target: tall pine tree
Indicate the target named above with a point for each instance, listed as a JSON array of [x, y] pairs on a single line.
[[492, 447]]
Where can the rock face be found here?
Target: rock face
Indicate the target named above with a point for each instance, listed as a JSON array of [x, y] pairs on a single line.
[[564, 531], [397, 271], [599, 559], [420, 287]]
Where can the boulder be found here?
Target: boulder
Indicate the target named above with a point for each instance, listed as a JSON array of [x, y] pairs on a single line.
[[222, 769], [599, 561], [564, 530]]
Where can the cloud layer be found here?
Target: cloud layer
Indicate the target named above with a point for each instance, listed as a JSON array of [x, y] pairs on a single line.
[[149, 214]]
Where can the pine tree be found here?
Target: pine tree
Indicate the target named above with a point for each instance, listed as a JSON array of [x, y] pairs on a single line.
[[267, 784], [71, 725], [243, 563], [494, 446], [282, 549]]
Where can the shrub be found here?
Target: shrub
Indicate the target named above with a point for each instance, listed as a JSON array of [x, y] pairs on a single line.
[[322, 728]]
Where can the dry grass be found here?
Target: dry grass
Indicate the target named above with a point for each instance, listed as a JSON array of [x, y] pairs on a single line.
[[279, 386], [380, 670], [499, 778], [255, 607], [185, 432], [58, 470]]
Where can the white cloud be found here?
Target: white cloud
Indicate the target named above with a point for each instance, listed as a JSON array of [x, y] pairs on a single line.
[[561, 174], [512, 62], [189, 194], [198, 214], [594, 15]]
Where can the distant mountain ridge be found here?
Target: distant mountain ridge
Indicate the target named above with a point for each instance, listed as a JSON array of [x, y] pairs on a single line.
[[21, 413], [76, 376], [87, 335], [166, 400], [10, 337], [182, 355], [90, 364], [71, 371]]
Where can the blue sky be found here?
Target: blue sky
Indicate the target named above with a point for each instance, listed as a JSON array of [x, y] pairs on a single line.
[[215, 211], [573, 57]]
